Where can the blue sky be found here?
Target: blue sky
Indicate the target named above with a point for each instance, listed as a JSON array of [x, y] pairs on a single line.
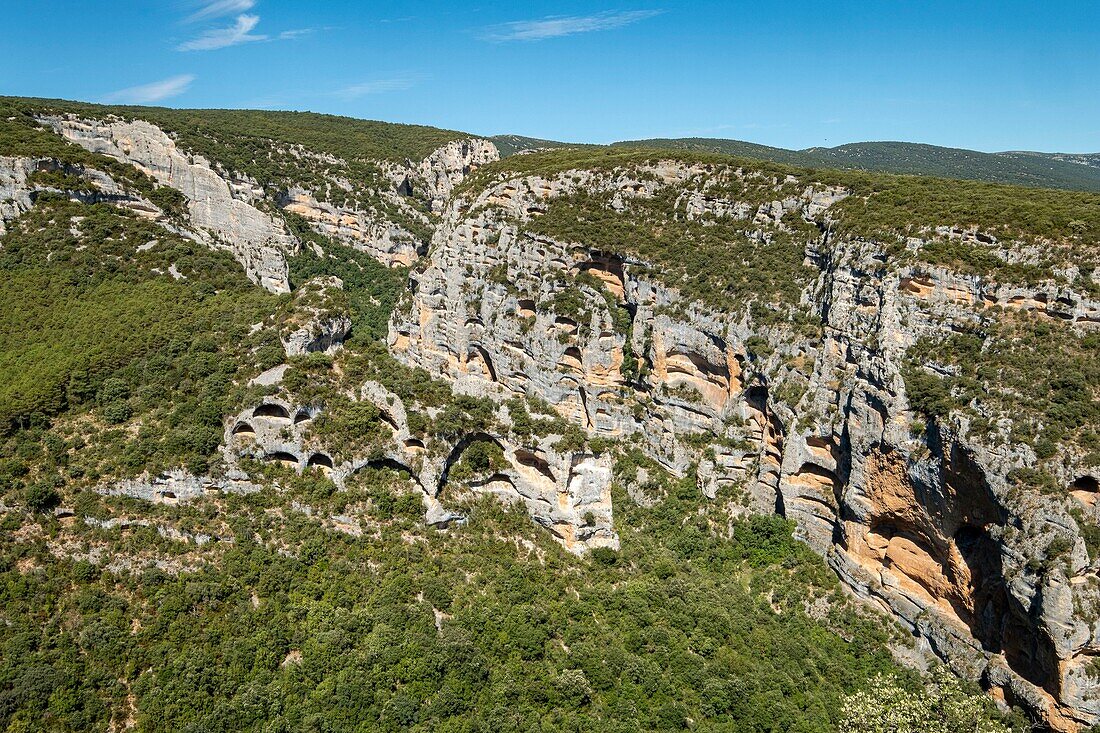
[[983, 75]]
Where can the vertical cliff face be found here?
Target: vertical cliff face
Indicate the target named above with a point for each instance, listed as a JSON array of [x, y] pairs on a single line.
[[918, 515], [227, 209], [224, 214]]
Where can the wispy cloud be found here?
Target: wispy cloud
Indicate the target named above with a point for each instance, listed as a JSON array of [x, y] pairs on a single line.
[[154, 92], [558, 26], [377, 86], [235, 35], [218, 8], [296, 33]]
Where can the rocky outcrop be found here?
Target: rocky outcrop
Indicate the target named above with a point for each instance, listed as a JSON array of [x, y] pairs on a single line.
[[385, 217], [318, 319], [222, 214], [384, 239], [178, 487], [15, 193], [921, 520], [567, 492], [18, 189], [370, 229], [445, 168]]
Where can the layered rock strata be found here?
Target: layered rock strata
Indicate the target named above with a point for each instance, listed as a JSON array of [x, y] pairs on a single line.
[[921, 520]]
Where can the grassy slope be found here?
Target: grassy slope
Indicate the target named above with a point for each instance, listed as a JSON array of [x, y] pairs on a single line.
[[1024, 169], [881, 205], [344, 137]]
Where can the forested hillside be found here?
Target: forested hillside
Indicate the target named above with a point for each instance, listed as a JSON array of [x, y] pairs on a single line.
[[1045, 170], [311, 423]]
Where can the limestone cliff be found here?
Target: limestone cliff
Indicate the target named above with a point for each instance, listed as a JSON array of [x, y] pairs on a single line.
[[742, 325], [223, 215], [923, 519]]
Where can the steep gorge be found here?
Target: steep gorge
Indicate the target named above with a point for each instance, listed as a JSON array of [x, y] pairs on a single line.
[[788, 393], [922, 519]]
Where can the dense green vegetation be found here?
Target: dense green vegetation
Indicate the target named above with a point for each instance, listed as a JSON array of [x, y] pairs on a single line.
[[371, 287], [716, 263], [887, 207], [336, 158], [1067, 223], [294, 627], [91, 321], [512, 144], [942, 706], [239, 133], [20, 135], [1040, 373]]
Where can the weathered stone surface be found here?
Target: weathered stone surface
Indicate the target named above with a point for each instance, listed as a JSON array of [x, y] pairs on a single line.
[[567, 492], [448, 166], [17, 194], [924, 525], [369, 231], [177, 487], [223, 215]]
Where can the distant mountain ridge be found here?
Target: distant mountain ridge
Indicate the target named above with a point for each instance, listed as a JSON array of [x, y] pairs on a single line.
[[1073, 171]]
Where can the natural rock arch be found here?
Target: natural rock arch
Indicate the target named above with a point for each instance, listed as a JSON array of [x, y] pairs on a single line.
[[456, 453], [272, 411], [283, 457], [320, 460], [478, 360], [393, 465]]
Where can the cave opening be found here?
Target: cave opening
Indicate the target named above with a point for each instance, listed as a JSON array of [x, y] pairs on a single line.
[[269, 410], [1086, 483], [994, 622], [288, 459], [320, 460]]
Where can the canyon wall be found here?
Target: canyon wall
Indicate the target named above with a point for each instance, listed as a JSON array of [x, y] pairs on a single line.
[[918, 518], [805, 415]]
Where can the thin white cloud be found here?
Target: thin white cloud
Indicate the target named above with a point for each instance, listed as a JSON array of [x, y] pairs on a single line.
[[154, 92], [376, 86], [218, 8], [292, 34], [216, 38], [558, 26]]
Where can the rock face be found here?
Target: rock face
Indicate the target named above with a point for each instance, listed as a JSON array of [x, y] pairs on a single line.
[[567, 492], [18, 190], [920, 520], [448, 166], [224, 216], [15, 193], [178, 487], [385, 240], [229, 210]]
